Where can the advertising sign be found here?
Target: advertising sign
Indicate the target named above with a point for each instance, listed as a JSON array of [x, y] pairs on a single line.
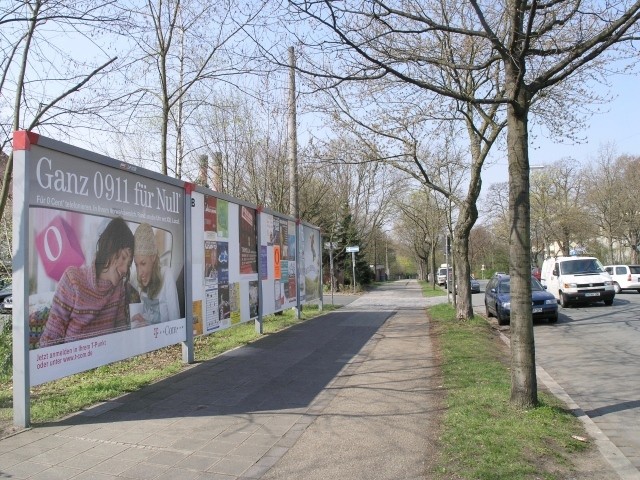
[[106, 249], [312, 263], [225, 263]]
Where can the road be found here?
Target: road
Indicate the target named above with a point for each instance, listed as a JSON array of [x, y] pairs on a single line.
[[593, 353]]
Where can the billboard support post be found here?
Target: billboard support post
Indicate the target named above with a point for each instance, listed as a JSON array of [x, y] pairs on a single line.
[[188, 349], [258, 322], [298, 269], [21, 367]]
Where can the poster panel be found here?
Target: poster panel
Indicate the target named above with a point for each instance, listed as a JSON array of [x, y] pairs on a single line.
[[278, 251], [225, 263], [312, 261], [106, 259]]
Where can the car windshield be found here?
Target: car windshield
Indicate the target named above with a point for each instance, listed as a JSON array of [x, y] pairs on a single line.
[[504, 286], [582, 265], [536, 286]]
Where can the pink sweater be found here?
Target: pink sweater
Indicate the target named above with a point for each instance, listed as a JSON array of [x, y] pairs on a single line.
[[84, 307]]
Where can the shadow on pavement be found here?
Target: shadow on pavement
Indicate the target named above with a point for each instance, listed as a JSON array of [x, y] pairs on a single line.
[[283, 371]]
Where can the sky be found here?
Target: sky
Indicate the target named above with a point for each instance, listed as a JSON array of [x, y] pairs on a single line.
[[619, 125]]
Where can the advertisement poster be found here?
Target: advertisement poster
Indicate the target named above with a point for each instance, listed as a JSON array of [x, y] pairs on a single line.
[[222, 214], [212, 317], [210, 216], [264, 263], [211, 262], [312, 264], [107, 248], [222, 265], [277, 262], [248, 240], [198, 328], [234, 303], [253, 298]]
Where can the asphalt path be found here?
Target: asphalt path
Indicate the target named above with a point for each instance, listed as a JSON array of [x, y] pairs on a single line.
[[592, 355]]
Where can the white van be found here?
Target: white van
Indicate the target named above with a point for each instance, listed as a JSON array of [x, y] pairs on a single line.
[[577, 279], [442, 274]]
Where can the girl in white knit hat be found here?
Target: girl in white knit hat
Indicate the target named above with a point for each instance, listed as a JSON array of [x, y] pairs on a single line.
[[157, 287]]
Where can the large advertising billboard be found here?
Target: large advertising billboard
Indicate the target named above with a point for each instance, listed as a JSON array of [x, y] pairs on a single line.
[[105, 263]]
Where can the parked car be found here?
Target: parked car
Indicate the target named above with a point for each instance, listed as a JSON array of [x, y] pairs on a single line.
[[475, 285], [4, 293], [7, 305], [536, 272], [497, 300], [625, 277]]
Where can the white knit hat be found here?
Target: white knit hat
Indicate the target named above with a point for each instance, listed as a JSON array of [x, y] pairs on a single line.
[[145, 240]]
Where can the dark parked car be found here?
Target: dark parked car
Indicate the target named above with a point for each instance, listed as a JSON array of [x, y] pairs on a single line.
[[475, 285], [5, 293], [497, 300]]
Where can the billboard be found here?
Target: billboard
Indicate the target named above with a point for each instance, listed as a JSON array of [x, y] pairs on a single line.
[[105, 257]]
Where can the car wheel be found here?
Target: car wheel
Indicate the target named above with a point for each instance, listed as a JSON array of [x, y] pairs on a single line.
[[553, 319], [616, 287], [501, 319], [608, 301], [564, 301]]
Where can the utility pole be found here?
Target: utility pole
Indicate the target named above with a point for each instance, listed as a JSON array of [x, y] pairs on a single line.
[[294, 208], [293, 139]]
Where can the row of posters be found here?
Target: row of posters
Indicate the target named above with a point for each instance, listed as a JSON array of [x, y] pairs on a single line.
[[104, 249]]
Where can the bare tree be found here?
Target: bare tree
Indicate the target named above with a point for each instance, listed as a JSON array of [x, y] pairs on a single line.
[[629, 209], [52, 89], [186, 43], [422, 221], [603, 187]]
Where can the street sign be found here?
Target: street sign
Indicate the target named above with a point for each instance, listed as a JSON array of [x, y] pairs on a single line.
[[352, 249]]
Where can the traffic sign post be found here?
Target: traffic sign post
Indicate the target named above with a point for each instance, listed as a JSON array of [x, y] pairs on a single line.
[[353, 250], [330, 246]]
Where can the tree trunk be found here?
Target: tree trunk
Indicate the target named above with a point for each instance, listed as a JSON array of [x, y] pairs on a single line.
[[464, 308], [466, 219], [524, 392], [434, 272]]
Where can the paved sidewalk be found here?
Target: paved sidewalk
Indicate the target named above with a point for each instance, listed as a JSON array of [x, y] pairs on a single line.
[[350, 395]]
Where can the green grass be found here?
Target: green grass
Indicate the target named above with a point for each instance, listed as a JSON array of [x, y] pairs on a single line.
[[484, 437], [432, 291], [54, 400]]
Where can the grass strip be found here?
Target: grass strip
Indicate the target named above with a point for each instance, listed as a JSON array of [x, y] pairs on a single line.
[[484, 437]]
